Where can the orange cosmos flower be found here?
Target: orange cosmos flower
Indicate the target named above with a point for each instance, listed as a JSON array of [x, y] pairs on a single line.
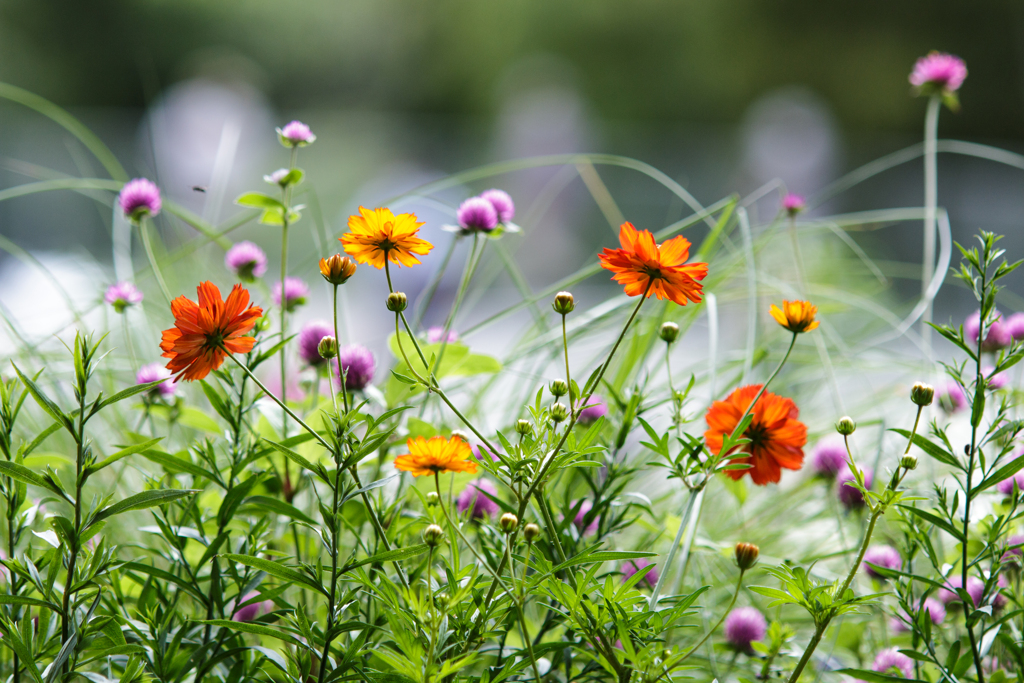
[[436, 455], [776, 436], [641, 266], [204, 334], [379, 235], [795, 316]]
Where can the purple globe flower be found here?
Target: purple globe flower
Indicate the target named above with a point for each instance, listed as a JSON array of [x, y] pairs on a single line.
[[1005, 487], [793, 204], [246, 260], [139, 198], [995, 381], [940, 71], [892, 661], [295, 293], [434, 335], [477, 213], [743, 626], [975, 589], [595, 410], [850, 497], [580, 521], [121, 295], [295, 134], [935, 609], [252, 611], [358, 365], [882, 556], [630, 567], [952, 398], [309, 341], [1015, 325], [829, 457], [154, 372], [502, 204], [471, 498], [1015, 540], [997, 337]]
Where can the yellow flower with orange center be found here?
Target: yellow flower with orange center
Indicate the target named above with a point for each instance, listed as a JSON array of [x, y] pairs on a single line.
[[436, 455], [795, 316], [377, 236]]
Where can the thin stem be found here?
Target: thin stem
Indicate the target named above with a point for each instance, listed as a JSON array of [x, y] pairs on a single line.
[[284, 327], [735, 594], [526, 639], [342, 375], [467, 276], [931, 192], [128, 340], [144, 233], [458, 531], [670, 560], [913, 432], [328, 635], [568, 378], [428, 294], [433, 616]]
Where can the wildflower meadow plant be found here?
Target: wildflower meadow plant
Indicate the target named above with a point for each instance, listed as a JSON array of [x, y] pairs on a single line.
[[621, 490]]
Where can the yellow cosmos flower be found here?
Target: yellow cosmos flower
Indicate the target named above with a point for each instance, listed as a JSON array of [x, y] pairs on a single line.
[[378, 236], [795, 316], [436, 455]]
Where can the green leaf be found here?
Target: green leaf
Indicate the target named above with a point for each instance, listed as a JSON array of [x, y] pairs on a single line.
[[234, 498], [875, 677], [265, 503], [255, 629], [128, 393], [1002, 474], [197, 419], [931, 449], [297, 459], [389, 556], [24, 474], [45, 403], [176, 464], [123, 453], [277, 570], [141, 501], [258, 200], [936, 520]]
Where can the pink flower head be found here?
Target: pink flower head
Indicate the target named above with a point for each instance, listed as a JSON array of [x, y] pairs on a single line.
[[952, 398], [891, 661], [1015, 326], [595, 410], [997, 336], [295, 293], [246, 260], [1005, 487], [121, 295], [743, 626], [295, 134], [938, 71], [881, 556], [936, 612], [309, 342], [850, 497], [481, 505], [277, 176], [502, 204], [630, 567], [1015, 540], [477, 213], [358, 365], [993, 380], [581, 518], [793, 204], [154, 372], [975, 589], [139, 198], [829, 457], [999, 600], [434, 335], [252, 611]]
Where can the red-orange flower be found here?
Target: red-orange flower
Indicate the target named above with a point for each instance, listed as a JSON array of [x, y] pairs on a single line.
[[378, 236], [436, 455], [777, 437], [204, 334], [641, 266]]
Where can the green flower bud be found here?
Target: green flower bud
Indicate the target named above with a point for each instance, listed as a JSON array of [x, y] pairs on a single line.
[[397, 302], [846, 426], [922, 394], [558, 388], [908, 462], [441, 600], [461, 434], [328, 347], [530, 532], [432, 535], [508, 522], [433, 499], [669, 332], [559, 412], [524, 427], [563, 303]]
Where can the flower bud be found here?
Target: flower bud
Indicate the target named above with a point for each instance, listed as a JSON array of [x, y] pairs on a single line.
[[669, 332], [433, 499], [530, 532], [337, 269], [441, 600], [461, 434], [559, 412], [563, 303], [432, 535], [908, 462], [524, 427], [846, 426], [558, 388], [746, 555], [508, 522], [922, 394], [328, 347], [397, 302]]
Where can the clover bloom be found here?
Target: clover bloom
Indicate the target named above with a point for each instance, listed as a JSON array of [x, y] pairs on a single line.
[[435, 456], [580, 521], [892, 660], [644, 267], [1005, 487], [502, 203], [357, 364], [309, 342], [595, 410], [378, 236], [793, 204], [630, 567], [743, 626], [935, 609], [829, 457], [139, 198], [477, 213], [1014, 543], [204, 333], [952, 398], [994, 380], [881, 556], [1015, 325], [435, 334], [246, 260], [938, 71], [999, 335], [121, 295], [295, 293], [795, 316], [777, 437], [295, 134], [154, 372], [253, 610], [478, 496], [850, 497]]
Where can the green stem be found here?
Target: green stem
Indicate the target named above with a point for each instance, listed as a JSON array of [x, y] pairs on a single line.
[[428, 293], [736, 593], [467, 276], [458, 531], [342, 375], [568, 379], [144, 233], [913, 432]]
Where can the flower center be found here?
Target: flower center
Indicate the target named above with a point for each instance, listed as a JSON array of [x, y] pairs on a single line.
[[758, 435]]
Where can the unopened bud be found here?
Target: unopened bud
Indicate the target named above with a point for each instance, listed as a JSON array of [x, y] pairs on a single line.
[[558, 388], [432, 535], [328, 347], [433, 499], [746, 555], [461, 434], [337, 269], [922, 394], [524, 427], [908, 462], [563, 303], [508, 522], [669, 332], [846, 426], [441, 600], [559, 412], [530, 532], [397, 302]]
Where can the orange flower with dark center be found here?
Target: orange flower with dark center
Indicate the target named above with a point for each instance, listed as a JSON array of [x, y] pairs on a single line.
[[795, 316], [642, 265], [377, 236], [777, 437], [204, 334], [436, 455]]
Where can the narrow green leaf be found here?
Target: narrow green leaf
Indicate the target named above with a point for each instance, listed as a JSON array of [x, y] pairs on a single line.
[[255, 629], [389, 556], [258, 200], [141, 501], [128, 393], [1002, 474], [296, 458], [277, 570], [123, 453], [24, 474], [931, 448], [265, 503]]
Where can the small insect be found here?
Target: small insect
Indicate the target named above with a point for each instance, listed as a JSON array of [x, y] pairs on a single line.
[[199, 188]]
